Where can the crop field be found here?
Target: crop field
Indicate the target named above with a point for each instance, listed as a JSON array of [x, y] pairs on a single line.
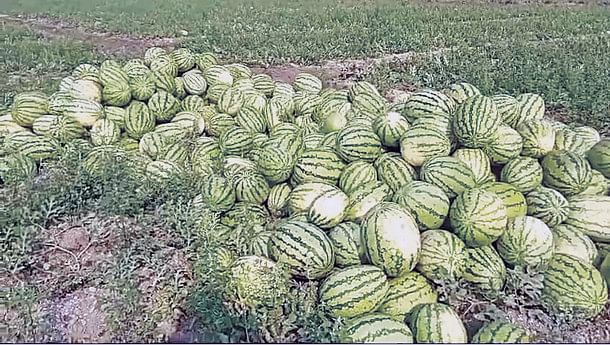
[[110, 258]]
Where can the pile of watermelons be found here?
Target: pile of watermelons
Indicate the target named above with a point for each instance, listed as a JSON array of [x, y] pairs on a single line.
[[378, 201]]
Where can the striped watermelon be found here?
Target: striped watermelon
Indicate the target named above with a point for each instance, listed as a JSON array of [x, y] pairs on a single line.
[[538, 137], [478, 162], [66, 83], [599, 185], [484, 268], [218, 75], [365, 198], [275, 163], [478, 217], [264, 84], [138, 120], [116, 115], [599, 157], [369, 105], [589, 214], [312, 141], [163, 106], [194, 82], [548, 205], [527, 241], [277, 201], [375, 328], [303, 248], [57, 102], [405, 293], [442, 255], [134, 68], [353, 291], [428, 102], [218, 193], [195, 104], [462, 91], [111, 73], [328, 210], [191, 122], [102, 157], [153, 52], [179, 92], [258, 281], [87, 72], [524, 173], [164, 63], [426, 202], [163, 171], [152, 144], [505, 145], [421, 143], [230, 101], [532, 107], [282, 89], [87, 89], [239, 72], [142, 88], [303, 196], [39, 148], [390, 128], [394, 171], [28, 106], [318, 165], [308, 83], [361, 87], [346, 241], [514, 201], [568, 140], [509, 109], [336, 120], [391, 238], [172, 131], [105, 132], [177, 152], [235, 141], [205, 60], [355, 175], [437, 323], [259, 244], [476, 121], [215, 91], [589, 135], [245, 213], [184, 59], [14, 140], [17, 167], [501, 332], [42, 125], [220, 123], [251, 187], [448, 173], [357, 142], [573, 286], [570, 241], [117, 94], [566, 172]]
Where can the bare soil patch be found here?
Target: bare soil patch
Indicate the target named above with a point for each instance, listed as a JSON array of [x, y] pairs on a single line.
[[105, 42]]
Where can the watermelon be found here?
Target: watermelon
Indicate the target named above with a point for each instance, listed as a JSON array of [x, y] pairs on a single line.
[[153, 52], [360, 87], [449, 174], [184, 59], [17, 167], [462, 91], [427, 203], [501, 332], [303, 248], [328, 209], [390, 128], [369, 105], [163, 106], [442, 255], [506, 144], [303, 196], [475, 121], [527, 242], [101, 157], [28, 106], [532, 107], [265, 84], [346, 241], [394, 171], [258, 281], [538, 137], [308, 83], [319, 165], [218, 193], [524, 173], [205, 60], [366, 197], [437, 323], [165, 64], [421, 143], [353, 291], [38, 148], [250, 186], [138, 120], [104, 132], [478, 162], [570, 241], [589, 214], [599, 157], [548, 205], [357, 142], [478, 217], [599, 185], [405, 293], [111, 73], [86, 89], [375, 328], [484, 268], [574, 286], [143, 87], [568, 140], [589, 135], [566, 172], [508, 108], [391, 238], [87, 71], [116, 115], [428, 102], [163, 171], [514, 201]]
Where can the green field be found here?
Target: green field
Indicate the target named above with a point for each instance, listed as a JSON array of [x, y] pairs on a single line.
[[146, 260]]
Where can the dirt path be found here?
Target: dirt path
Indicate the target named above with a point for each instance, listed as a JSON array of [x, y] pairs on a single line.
[[105, 42]]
